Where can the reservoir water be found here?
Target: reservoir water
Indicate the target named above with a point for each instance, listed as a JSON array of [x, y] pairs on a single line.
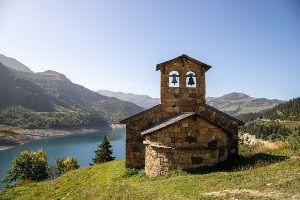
[[81, 146]]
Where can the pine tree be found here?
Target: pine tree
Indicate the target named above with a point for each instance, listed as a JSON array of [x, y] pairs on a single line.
[[103, 152]]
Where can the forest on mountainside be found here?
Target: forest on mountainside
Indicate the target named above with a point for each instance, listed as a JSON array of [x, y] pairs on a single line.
[[284, 111], [275, 124]]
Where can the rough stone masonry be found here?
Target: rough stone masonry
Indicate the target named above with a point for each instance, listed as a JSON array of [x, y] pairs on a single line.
[[183, 132]]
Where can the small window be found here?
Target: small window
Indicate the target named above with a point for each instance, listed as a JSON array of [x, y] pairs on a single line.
[[173, 79], [190, 79]]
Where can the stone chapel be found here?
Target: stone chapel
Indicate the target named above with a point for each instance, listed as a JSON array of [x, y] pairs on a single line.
[[183, 131]]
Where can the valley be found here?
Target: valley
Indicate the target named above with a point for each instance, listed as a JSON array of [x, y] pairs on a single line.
[[47, 104], [35, 105]]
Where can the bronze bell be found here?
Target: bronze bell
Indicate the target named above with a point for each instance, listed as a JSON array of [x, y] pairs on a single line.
[[191, 80], [174, 80]]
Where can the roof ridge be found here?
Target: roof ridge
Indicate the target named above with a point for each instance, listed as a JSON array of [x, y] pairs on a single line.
[[223, 113], [207, 67], [167, 122]]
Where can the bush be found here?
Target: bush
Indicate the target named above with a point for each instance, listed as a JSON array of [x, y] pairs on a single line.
[[130, 172], [70, 164], [28, 166], [63, 165]]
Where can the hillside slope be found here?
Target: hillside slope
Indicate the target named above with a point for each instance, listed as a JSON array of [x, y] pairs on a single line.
[[279, 123], [289, 110], [15, 90], [50, 100], [13, 63], [277, 180]]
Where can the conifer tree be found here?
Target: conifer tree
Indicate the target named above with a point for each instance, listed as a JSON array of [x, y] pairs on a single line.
[[103, 152]]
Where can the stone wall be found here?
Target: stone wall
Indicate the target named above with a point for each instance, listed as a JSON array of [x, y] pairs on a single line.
[[225, 121], [187, 144], [182, 98], [134, 149], [173, 102]]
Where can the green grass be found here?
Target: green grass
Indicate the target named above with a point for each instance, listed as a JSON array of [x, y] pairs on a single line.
[[253, 109], [260, 176]]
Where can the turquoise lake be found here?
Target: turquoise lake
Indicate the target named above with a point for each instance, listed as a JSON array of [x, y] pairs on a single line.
[[81, 146]]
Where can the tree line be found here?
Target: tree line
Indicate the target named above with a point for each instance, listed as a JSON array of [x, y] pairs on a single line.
[[265, 124], [18, 116], [266, 130], [285, 111]]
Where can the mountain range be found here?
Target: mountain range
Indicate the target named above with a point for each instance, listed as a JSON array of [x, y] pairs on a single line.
[[232, 103], [240, 103], [50, 100], [140, 100]]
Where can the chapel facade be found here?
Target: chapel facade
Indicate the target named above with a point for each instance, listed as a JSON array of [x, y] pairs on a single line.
[[182, 132]]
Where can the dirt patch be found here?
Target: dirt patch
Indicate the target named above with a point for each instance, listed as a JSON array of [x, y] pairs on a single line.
[[260, 144], [250, 192]]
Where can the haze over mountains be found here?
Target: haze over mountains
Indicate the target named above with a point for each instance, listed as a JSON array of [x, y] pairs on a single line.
[[13, 63], [50, 100], [140, 100]]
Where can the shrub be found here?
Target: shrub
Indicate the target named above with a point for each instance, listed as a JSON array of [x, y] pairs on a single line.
[[28, 166], [130, 172], [63, 165], [70, 164]]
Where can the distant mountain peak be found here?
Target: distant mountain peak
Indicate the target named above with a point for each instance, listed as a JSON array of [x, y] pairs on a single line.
[[239, 103], [53, 75], [235, 96], [14, 64]]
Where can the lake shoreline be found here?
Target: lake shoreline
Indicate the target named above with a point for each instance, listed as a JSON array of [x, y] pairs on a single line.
[[21, 136]]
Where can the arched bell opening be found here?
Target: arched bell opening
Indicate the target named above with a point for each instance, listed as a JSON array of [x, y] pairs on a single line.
[[190, 79], [174, 79]]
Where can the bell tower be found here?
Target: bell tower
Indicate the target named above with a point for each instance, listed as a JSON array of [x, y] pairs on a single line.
[[182, 84]]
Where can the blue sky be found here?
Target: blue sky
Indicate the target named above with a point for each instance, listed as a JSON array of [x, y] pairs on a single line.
[[252, 46]]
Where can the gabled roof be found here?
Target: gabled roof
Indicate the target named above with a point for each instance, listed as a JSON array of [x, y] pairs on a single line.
[[184, 115], [183, 56], [179, 117], [168, 122], [239, 122]]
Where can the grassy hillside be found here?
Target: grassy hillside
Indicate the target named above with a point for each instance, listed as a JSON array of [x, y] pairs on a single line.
[[261, 176]]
